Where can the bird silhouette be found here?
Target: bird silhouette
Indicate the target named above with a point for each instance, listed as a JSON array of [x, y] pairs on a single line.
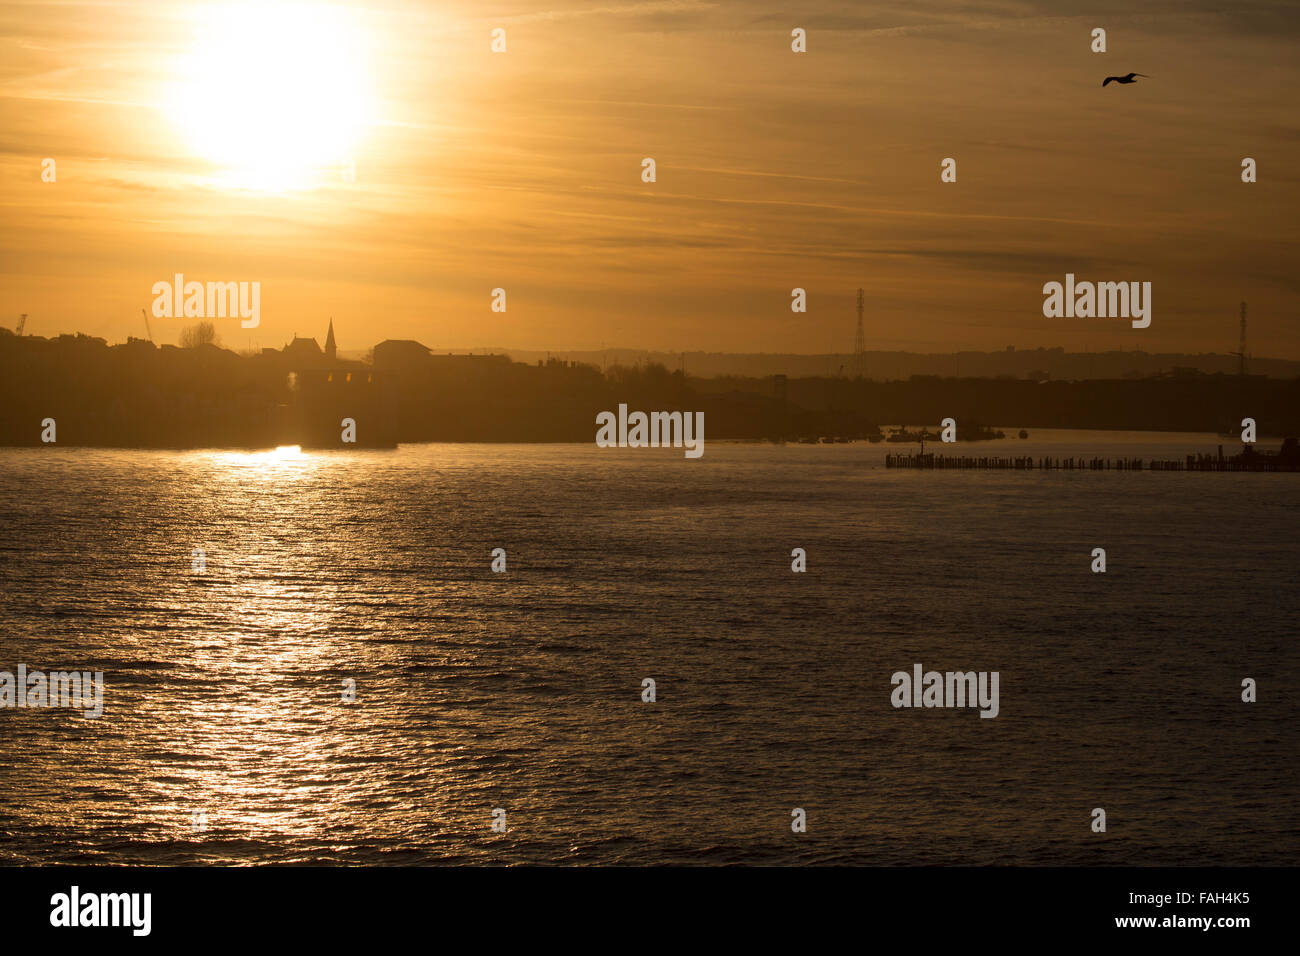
[[1123, 79]]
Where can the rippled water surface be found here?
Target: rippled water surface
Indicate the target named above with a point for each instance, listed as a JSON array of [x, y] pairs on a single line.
[[522, 690]]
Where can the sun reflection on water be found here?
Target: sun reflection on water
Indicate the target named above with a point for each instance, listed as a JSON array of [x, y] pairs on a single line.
[[281, 460]]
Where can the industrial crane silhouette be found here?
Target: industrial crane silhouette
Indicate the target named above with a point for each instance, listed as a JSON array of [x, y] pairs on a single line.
[[1241, 348]]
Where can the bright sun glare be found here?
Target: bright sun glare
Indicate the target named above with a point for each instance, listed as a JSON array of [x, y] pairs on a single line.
[[276, 94]]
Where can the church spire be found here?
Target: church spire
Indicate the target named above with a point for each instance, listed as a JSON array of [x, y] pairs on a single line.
[[330, 348]]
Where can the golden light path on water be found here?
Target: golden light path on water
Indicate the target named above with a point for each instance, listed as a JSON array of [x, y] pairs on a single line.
[[278, 743]]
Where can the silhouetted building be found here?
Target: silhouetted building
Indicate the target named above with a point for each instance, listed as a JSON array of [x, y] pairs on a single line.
[[304, 351], [401, 355]]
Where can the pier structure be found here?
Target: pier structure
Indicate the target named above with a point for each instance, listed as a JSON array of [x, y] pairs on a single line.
[[1288, 459]]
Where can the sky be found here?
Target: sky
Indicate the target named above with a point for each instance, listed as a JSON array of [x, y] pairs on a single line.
[[380, 165]]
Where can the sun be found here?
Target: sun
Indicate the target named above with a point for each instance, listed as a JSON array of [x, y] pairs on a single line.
[[275, 94]]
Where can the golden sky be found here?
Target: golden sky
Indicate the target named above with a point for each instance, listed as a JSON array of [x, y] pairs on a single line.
[[211, 140]]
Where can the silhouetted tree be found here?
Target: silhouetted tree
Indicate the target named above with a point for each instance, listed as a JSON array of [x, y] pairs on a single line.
[[201, 333]]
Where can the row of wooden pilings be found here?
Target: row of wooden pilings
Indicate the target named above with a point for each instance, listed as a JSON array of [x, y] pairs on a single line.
[[1025, 463], [1029, 463]]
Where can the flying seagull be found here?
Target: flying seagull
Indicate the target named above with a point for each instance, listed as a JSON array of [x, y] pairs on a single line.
[[1122, 79]]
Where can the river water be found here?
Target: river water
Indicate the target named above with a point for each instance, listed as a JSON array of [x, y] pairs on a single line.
[[225, 737]]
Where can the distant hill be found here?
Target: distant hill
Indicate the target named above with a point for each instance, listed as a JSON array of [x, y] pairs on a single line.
[[1038, 364]]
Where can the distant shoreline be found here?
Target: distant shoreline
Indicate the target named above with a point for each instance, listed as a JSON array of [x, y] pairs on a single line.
[[79, 391], [1265, 442]]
